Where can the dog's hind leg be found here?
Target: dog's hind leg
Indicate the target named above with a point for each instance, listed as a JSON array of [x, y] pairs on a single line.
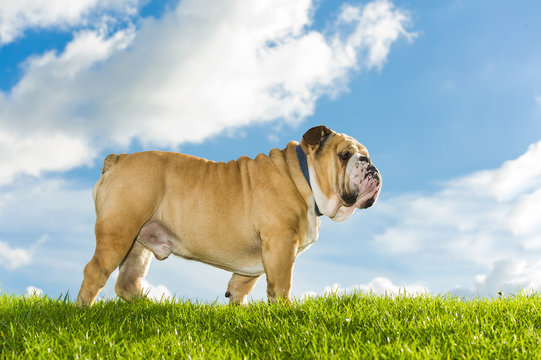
[[239, 287], [113, 242], [132, 270], [125, 200]]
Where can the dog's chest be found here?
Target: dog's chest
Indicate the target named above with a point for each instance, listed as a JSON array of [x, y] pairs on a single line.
[[312, 230]]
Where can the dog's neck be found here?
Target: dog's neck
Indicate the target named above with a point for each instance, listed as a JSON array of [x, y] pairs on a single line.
[[304, 168]]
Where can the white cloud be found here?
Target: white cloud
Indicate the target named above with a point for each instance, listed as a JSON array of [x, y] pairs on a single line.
[[509, 276], [377, 286], [156, 292], [525, 219], [56, 213], [33, 291], [513, 179], [39, 130], [12, 258], [489, 219], [195, 72], [17, 16], [377, 27], [37, 153]]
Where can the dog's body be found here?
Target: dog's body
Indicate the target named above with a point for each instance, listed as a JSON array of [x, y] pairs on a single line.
[[250, 216]]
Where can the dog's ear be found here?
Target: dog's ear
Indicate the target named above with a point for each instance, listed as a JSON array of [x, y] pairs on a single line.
[[316, 135]]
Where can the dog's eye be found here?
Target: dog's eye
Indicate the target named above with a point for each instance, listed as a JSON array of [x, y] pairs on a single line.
[[344, 156]]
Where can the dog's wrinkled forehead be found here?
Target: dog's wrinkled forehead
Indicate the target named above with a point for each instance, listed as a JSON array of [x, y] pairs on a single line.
[[347, 147], [350, 144]]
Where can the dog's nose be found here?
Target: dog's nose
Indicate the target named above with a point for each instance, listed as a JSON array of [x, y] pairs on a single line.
[[371, 170]]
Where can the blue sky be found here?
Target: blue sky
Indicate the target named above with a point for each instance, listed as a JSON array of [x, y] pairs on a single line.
[[445, 95]]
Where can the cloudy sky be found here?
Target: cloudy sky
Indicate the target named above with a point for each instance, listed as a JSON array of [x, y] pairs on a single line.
[[446, 96]]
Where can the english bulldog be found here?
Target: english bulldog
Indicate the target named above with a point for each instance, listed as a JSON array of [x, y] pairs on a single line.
[[249, 216]]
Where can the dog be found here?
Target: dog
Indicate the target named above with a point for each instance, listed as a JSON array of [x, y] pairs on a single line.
[[249, 216]]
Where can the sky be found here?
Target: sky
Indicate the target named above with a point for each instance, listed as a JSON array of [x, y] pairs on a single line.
[[445, 95]]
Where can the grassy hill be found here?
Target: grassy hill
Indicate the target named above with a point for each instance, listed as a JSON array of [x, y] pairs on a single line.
[[354, 326]]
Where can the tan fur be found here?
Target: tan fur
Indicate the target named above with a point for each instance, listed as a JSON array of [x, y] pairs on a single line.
[[250, 216]]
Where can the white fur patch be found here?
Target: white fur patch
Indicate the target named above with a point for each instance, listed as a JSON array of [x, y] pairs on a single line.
[[313, 226], [332, 207]]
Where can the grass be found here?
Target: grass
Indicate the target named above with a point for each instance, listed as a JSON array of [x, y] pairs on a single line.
[[354, 326]]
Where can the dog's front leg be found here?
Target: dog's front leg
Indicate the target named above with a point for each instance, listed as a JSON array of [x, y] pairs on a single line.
[[279, 250]]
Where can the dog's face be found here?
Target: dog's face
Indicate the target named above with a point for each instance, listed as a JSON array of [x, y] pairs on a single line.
[[342, 175]]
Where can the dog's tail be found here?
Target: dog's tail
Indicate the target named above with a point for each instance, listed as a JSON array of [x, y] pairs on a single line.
[[109, 162]]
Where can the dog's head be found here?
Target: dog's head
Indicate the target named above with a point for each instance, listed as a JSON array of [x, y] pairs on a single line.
[[342, 175]]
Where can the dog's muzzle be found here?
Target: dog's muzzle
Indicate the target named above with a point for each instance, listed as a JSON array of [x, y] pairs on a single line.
[[365, 180]]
